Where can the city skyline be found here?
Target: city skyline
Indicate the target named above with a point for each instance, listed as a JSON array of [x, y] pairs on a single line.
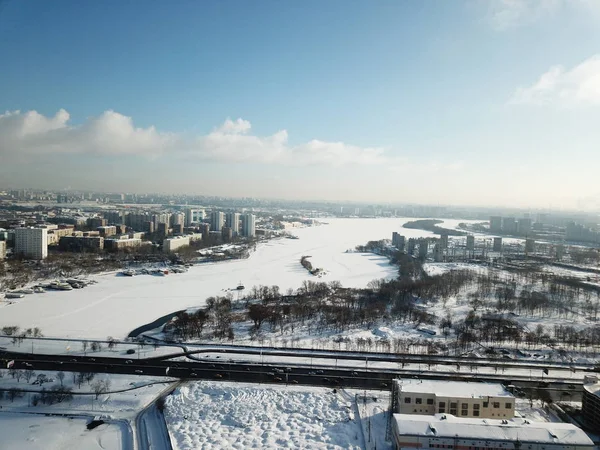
[[391, 103]]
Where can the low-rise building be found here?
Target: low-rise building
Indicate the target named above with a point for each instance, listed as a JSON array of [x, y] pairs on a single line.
[[447, 431], [107, 230], [172, 244], [459, 398], [591, 402], [80, 243], [121, 244]]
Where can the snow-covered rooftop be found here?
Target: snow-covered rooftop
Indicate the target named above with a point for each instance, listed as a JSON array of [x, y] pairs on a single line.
[[447, 425], [593, 388], [453, 389]]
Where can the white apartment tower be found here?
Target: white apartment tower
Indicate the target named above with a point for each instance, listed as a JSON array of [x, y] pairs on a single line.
[[31, 242], [233, 221], [217, 220], [248, 225]]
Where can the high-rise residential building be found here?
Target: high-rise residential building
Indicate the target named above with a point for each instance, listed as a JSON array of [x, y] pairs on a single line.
[[495, 224], [177, 219], [226, 234], [529, 245], [509, 225], [2, 249], [423, 248], [161, 218], [444, 241], [31, 242], [248, 225], [398, 241], [217, 220], [497, 247], [95, 222], [470, 242], [193, 216], [524, 226], [232, 220], [205, 231]]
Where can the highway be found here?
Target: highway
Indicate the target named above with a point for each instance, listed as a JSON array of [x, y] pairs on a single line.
[[298, 373]]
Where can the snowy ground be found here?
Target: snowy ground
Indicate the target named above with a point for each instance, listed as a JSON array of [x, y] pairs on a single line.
[[28, 427], [212, 415], [116, 305], [38, 432]]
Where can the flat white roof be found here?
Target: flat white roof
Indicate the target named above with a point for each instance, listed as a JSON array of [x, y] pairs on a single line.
[[453, 389], [447, 425]]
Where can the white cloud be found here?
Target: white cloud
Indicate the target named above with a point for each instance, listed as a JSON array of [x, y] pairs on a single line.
[[558, 86], [508, 14], [32, 134]]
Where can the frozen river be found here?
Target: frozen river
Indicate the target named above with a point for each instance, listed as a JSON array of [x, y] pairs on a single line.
[[116, 305]]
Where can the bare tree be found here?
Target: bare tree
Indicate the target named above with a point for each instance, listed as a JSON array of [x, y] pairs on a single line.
[[28, 374], [61, 376], [100, 387], [84, 346]]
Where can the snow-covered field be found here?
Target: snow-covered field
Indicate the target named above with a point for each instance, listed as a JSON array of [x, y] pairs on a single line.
[[38, 432], [212, 415], [116, 305]]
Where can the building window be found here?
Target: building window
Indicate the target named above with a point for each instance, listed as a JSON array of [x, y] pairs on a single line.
[[453, 411], [464, 406], [406, 399], [476, 407], [464, 412], [442, 404], [442, 410], [418, 400], [430, 401], [496, 405], [486, 404], [475, 413], [508, 406], [453, 405]]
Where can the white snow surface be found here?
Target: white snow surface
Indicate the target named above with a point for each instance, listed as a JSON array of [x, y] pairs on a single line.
[[116, 305], [214, 415], [38, 432]]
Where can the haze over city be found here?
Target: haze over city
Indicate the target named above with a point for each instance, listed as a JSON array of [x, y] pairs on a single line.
[[470, 102]]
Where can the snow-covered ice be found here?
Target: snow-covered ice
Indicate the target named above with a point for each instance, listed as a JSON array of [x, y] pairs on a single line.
[[116, 305], [213, 415]]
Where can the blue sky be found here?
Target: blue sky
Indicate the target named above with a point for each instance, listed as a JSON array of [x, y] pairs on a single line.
[[471, 102]]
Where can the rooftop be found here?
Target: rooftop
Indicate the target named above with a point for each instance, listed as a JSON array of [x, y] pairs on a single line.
[[453, 389], [593, 388], [447, 425]]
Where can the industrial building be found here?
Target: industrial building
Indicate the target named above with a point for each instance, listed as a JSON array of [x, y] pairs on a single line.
[[447, 431], [31, 242], [459, 398]]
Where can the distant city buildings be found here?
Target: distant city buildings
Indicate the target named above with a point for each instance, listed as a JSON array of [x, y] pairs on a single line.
[[31, 242], [217, 220], [232, 220], [398, 241], [248, 225], [497, 246], [81, 243], [496, 224], [580, 233]]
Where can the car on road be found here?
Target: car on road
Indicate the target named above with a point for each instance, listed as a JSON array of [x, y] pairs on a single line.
[[193, 374], [294, 381], [218, 375], [130, 351], [271, 374], [354, 373], [319, 372], [277, 379], [129, 361], [278, 370], [139, 371], [326, 380], [312, 372]]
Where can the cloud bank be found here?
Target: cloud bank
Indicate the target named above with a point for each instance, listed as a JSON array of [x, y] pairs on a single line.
[[31, 134], [504, 15], [559, 86]]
